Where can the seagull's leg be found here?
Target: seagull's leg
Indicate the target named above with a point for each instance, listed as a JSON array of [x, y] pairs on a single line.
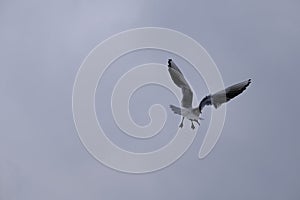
[[181, 124], [197, 122], [193, 127]]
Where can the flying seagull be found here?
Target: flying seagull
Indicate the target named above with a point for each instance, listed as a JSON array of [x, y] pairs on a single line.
[[186, 110]]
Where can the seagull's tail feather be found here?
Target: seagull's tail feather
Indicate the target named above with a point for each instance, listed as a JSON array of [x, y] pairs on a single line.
[[175, 109]]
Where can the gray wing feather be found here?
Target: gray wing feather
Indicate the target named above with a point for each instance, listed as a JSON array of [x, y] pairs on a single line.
[[175, 109], [224, 96], [180, 81]]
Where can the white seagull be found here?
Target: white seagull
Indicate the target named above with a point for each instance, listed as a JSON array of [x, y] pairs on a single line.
[[186, 110]]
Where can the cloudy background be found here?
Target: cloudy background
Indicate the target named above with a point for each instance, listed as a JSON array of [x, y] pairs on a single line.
[[42, 45]]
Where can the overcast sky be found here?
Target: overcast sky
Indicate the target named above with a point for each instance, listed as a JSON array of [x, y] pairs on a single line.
[[43, 45]]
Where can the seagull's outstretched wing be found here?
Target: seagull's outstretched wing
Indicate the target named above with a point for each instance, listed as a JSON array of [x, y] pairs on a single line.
[[180, 81], [224, 96]]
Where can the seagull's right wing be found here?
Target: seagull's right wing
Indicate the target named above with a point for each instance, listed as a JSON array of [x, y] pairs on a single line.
[[224, 96], [180, 81]]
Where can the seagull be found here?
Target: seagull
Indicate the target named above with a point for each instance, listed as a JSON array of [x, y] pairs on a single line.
[[217, 99]]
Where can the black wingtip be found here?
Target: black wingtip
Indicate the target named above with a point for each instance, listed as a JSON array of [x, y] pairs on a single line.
[[249, 81], [169, 62]]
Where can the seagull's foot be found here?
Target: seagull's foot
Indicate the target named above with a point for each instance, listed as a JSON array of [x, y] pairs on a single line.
[[193, 127], [181, 125]]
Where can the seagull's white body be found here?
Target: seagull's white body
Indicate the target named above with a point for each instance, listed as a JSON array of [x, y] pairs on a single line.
[[186, 110], [190, 113]]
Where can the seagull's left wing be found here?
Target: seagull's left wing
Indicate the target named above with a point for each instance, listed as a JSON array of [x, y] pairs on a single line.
[[224, 96], [180, 81]]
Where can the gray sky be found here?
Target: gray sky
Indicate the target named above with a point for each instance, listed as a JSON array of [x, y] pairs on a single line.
[[42, 47]]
